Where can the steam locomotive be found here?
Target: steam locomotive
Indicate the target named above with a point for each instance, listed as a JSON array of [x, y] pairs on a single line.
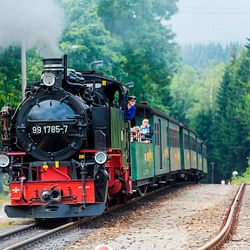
[[68, 148]]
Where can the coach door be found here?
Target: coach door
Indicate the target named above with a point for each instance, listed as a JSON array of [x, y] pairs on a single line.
[[158, 145]]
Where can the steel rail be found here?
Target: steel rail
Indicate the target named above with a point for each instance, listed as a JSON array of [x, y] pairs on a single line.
[[226, 230], [46, 234], [18, 231]]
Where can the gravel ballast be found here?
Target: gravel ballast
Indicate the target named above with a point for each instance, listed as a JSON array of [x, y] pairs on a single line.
[[184, 219]]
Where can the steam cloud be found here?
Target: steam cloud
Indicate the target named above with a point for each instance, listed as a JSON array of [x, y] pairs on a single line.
[[40, 23]]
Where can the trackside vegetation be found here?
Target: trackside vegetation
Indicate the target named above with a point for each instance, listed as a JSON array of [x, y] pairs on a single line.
[[245, 178]]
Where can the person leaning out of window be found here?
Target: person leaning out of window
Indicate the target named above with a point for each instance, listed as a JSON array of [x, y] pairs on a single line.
[[146, 131], [131, 109]]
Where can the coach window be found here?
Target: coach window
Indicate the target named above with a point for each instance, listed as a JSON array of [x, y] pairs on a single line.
[[193, 144], [171, 138], [186, 144], [167, 136], [204, 152], [159, 133], [199, 148], [174, 138], [156, 134]]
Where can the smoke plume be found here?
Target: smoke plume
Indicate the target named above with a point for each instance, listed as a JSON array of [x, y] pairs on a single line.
[[38, 23]]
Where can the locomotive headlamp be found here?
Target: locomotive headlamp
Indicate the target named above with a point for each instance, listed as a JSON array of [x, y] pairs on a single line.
[[101, 157], [4, 160], [48, 79]]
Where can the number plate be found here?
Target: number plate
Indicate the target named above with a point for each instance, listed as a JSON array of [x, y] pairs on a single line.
[[49, 129]]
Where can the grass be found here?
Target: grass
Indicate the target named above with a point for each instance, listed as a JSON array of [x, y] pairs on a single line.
[[4, 198], [6, 224], [245, 178]]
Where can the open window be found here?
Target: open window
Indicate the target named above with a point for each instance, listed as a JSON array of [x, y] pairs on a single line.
[[114, 95]]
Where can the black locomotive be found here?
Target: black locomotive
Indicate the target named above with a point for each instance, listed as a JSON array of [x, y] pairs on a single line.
[[57, 142]]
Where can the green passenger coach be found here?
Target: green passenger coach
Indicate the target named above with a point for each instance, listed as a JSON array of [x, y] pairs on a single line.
[[173, 153]]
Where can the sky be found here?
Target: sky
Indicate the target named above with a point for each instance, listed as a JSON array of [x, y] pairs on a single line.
[[221, 21]]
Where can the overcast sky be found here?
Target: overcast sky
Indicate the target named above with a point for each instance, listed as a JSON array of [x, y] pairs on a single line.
[[212, 20]]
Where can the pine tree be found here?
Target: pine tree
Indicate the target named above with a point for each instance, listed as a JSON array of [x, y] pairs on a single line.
[[230, 145]]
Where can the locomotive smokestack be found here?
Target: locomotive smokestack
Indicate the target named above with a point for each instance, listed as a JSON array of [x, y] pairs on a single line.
[[52, 67], [53, 64]]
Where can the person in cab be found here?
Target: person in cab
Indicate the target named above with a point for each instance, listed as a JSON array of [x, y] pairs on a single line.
[[131, 109]]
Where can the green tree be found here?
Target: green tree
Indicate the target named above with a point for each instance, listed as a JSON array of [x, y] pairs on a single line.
[[203, 55], [230, 143], [147, 44], [194, 90], [10, 75], [244, 110], [86, 40], [132, 39], [202, 123]]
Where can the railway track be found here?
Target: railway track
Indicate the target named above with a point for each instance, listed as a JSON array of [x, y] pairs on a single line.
[[229, 223], [240, 240], [18, 231], [43, 235]]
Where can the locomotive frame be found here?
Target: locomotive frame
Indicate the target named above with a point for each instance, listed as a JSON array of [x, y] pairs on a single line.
[[68, 151]]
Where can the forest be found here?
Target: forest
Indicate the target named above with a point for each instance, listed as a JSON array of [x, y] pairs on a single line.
[[206, 86]]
